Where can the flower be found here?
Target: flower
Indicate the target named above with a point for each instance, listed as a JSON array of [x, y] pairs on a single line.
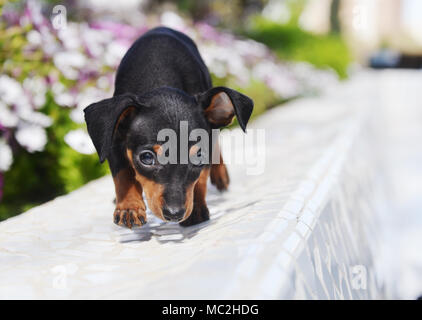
[[68, 62], [10, 90], [172, 20], [37, 89], [32, 137], [34, 37], [80, 141], [36, 118], [114, 53], [61, 95], [7, 117], [84, 99], [6, 156], [70, 37]]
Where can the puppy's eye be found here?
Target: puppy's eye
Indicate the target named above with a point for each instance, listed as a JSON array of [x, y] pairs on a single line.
[[147, 158]]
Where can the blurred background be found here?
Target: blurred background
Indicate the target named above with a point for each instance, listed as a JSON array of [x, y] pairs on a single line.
[[57, 57]]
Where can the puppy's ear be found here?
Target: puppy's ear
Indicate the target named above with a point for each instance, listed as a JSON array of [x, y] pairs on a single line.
[[101, 119], [221, 104]]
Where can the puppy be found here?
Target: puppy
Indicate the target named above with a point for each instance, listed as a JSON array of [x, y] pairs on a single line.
[[163, 83]]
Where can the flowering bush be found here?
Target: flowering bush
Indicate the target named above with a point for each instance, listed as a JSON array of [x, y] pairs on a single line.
[[49, 76], [290, 42]]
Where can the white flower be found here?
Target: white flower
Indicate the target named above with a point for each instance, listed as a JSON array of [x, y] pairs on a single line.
[[70, 36], [37, 118], [80, 141], [49, 43], [278, 77], [172, 20], [12, 93], [84, 99], [68, 62], [95, 40], [103, 83], [34, 8], [114, 53], [58, 88], [6, 156], [64, 99], [10, 90], [37, 87], [215, 58], [39, 100], [250, 48], [34, 37], [7, 117], [61, 96], [238, 69], [32, 137]]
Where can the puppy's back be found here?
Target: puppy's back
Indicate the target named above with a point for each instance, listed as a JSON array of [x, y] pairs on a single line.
[[162, 57]]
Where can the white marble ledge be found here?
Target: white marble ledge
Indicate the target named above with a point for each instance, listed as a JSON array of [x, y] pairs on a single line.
[[70, 248]]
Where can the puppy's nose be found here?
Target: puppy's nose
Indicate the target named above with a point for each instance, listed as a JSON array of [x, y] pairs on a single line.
[[173, 214]]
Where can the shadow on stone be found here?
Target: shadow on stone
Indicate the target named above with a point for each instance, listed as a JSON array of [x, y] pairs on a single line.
[[164, 232]]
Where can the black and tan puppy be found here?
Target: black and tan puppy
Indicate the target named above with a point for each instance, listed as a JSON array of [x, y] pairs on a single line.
[[161, 82]]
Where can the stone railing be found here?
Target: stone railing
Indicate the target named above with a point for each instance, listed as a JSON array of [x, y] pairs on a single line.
[[303, 227]]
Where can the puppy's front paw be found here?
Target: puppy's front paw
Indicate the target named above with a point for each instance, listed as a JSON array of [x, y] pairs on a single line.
[[199, 214], [129, 217]]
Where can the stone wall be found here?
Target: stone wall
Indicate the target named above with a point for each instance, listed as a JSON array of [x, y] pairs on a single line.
[[306, 227]]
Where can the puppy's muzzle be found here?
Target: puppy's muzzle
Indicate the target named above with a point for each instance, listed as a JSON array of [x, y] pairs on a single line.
[[173, 214]]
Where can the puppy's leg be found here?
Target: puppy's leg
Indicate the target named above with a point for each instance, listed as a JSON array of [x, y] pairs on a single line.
[[200, 211], [130, 206], [219, 175]]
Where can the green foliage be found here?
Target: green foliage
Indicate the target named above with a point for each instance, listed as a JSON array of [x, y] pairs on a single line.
[[292, 43], [37, 177]]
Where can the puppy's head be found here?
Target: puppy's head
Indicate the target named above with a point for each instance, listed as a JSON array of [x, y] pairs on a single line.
[[167, 139]]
